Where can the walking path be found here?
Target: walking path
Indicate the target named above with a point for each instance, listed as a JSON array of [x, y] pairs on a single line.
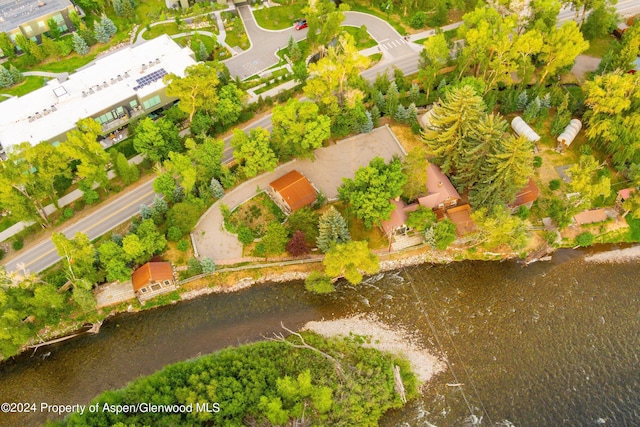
[[60, 76], [325, 172]]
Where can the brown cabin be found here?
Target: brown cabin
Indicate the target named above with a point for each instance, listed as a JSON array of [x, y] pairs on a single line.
[[153, 279], [526, 196], [293, 191]]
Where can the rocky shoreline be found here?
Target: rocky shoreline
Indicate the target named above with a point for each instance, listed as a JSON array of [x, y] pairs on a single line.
[[616, 256], [289, 276]]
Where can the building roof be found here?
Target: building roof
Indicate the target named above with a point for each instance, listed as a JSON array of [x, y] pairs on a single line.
[[590, 217], [151, 272], [295, 189], [527, 195], [461, 217], [625, 193], [439, 188], [14, 13], [107, 82], [398, 216]]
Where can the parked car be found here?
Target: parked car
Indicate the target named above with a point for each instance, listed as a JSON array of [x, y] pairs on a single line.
[[301, 24]]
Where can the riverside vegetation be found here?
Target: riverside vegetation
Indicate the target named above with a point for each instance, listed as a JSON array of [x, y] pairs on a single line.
[[305, 379]]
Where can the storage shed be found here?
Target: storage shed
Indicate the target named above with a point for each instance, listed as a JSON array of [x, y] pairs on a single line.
[[523, 129], [570, 132]]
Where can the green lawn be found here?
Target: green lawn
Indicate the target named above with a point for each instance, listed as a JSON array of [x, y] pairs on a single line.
[[29, 84], [236, 35], [158, 30], [598, 47], [220, 53], [393, 19], [361, 42], [279, 17]]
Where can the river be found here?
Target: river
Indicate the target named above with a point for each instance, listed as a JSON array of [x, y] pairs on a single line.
[[554, 343]]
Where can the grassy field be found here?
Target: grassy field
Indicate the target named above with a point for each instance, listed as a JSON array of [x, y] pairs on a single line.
[[361, 42], [29, 84], [279, 17], [158, 30], [598, 47]]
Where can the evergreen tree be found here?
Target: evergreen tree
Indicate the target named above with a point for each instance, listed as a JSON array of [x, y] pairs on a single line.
[[160, 206], [333, 230], [16, 75], [367, 126], [400, 114], [379, 101], [108, 25], [145, 212], [216, 189], [6, 79], [101, 33], [203, 53], [414, 93], [208, 265], [532, 111], [392, 99], [505, 172], [293, 50], [79, 45], [412, 113], [453, 129], [375, 116], [523, 100], [7, 46]]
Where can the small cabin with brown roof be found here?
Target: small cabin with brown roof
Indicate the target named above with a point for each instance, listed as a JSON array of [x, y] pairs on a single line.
[[526, 196], [292, 192], [396, 224], [590, 217], [153, 279]]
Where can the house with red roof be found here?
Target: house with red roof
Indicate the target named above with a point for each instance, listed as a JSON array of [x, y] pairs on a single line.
[[153, 279], [292, 192]]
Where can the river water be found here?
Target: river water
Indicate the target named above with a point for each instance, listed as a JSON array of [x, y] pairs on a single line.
[[550, 344]]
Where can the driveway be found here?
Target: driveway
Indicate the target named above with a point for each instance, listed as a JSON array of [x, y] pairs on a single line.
[[325, 172], [265, 43]]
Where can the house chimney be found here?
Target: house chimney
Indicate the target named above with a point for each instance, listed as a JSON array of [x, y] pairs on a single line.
[[439, 184]]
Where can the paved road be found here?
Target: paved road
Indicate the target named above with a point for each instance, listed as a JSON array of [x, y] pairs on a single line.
[[264, 45], [44, 254], [624, 7]]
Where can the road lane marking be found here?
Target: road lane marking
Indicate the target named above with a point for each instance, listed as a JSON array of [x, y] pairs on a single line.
[[94, 225]]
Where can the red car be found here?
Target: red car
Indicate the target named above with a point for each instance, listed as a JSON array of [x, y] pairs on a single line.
[[301, 24]]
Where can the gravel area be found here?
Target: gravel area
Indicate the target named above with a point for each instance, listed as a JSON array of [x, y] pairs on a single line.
[[424, 364], [616, 256]]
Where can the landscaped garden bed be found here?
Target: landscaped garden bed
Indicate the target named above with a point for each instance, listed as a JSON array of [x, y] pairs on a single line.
[[250, 219]]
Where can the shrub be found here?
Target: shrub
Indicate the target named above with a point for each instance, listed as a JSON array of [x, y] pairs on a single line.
[[174, 234], [1, 253], [193, 267], [318, 283], [208, 265], [183, 245], [585, 239], [537, 161], [523, 212], [67, 213], [554, 184], [17, 244], [418, 20], [245, 235]]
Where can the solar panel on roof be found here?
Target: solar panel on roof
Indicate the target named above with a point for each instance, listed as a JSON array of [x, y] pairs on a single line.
[[151, 77]]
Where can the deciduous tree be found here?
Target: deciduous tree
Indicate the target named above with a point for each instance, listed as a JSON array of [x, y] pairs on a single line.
[[369, 192], [253, 152], [587, 180], [156, 139], [298, 129], [82, 145], [498, 228], [78, 256], [351, 260]]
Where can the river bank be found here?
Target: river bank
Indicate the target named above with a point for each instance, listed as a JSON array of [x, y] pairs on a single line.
[[423, 363]]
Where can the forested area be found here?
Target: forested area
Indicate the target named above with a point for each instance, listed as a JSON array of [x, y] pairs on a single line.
[[306, 379]]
